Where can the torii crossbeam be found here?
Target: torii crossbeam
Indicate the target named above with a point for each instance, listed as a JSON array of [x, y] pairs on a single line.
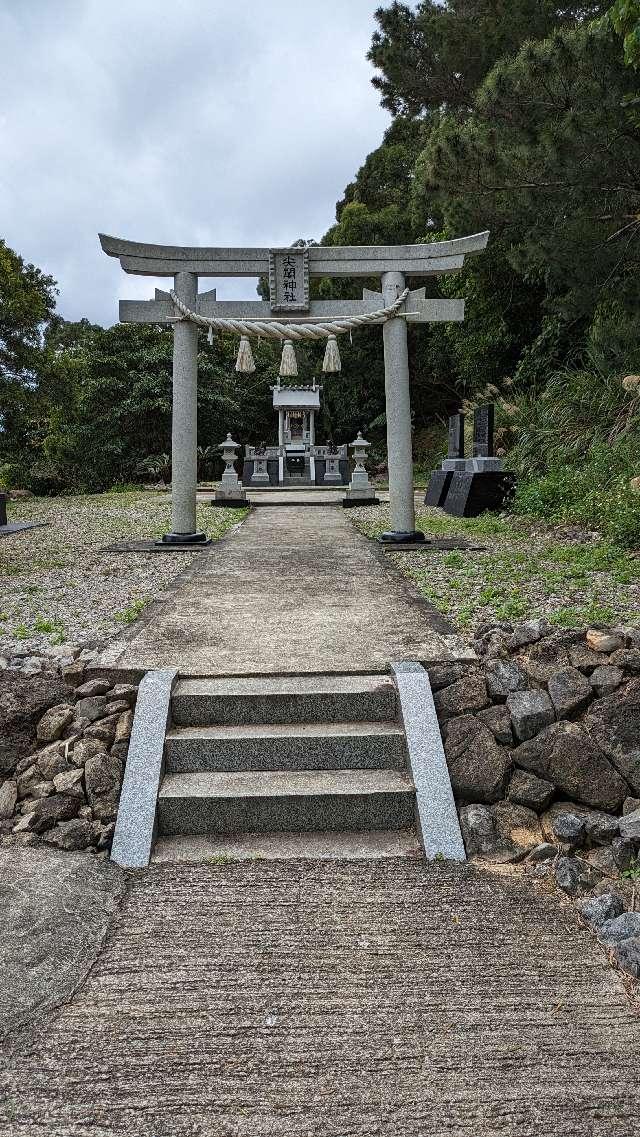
[[392, 263]]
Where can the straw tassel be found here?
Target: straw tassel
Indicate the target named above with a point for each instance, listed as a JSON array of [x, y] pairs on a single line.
[[210, 336], [245, 362], [288, 363], [332, 356]]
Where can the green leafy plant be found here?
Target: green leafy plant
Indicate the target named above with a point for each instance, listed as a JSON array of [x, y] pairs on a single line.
[[633, 872], [46, 626], [132, 611]]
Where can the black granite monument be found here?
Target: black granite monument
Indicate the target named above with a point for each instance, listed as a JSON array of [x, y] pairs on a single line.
[[3, 509], [483, 420], [440, 480], [482, 483]]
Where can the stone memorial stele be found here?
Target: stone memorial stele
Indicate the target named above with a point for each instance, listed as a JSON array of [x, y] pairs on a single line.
[[3, 509], [289, 315], [440, 480], [484, 459], [456, 436]]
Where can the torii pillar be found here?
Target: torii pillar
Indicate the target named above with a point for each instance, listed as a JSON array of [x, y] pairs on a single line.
[[184, 423], [398, 401], [392, 264]]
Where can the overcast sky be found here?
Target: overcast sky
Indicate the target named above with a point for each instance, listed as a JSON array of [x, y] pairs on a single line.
[[191, 122]]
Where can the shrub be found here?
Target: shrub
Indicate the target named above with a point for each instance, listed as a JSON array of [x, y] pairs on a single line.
[[594, 493]]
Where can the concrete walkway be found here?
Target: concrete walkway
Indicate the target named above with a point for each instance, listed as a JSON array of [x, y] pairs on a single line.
[[294, 589], [301, 999]]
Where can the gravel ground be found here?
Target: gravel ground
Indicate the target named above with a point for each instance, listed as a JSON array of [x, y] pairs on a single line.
[[57, 586], [568, 575]]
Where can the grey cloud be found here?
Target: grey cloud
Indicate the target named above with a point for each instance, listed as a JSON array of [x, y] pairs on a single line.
[[182, 122]]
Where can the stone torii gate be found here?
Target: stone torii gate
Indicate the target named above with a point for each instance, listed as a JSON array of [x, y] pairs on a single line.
[[392, 263]]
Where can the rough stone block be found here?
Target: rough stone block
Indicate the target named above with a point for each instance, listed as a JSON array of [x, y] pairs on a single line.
[[517, 827], [613, 723], [53, 722], [629, 825], [621, 928], [529, 790], [627, 956], [574, 876], [531, 712], [478, 829], [570, 692], [477, 764], [602, 641], [598, 910], [565, 755], [569, 828], [504, 676], [498, 720], [606, 679], [466, 695]]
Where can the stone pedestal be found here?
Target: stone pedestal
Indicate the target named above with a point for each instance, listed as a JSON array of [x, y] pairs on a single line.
[[450, 464]]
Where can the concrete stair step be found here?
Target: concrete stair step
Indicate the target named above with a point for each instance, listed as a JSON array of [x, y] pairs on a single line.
[[290, 699], [312, 845], [280, 801], [285, 746]]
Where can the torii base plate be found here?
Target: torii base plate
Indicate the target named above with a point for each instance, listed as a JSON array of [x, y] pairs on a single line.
[[398, 537], [184, 539]]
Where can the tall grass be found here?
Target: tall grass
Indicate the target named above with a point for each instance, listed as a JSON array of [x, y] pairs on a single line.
[[576, 450]]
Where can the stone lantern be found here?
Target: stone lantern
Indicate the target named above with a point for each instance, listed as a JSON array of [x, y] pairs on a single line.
[[360, 490], [230, 491]]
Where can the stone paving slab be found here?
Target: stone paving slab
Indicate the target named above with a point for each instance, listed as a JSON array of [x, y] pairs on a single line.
[[335, 999], [19, 527], [291, 591], [324, 845]]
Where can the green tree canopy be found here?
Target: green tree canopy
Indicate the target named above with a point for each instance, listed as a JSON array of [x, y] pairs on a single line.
[[437, 55]]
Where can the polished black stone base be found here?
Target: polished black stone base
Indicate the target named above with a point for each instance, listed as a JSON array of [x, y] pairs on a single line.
[[230, 503], [350, 503], [471, 494], [438, 487], [414, 537], [184, 539]]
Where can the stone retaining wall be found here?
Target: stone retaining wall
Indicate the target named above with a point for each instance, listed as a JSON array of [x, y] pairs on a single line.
[[542, 738], [62, 755]]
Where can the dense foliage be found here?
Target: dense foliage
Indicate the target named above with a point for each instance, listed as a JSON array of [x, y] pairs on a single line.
[[517, 116]]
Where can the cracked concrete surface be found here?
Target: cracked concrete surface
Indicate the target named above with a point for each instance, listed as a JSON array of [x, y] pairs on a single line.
[[335, 999], [55, 910]]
